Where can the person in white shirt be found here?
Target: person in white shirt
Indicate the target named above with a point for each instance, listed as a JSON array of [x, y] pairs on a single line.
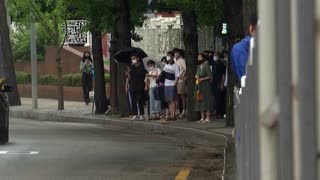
[[155, 102], [181, 85], [172, 73]]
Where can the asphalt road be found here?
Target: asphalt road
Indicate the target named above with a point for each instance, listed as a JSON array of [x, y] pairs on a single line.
[[64, 151]]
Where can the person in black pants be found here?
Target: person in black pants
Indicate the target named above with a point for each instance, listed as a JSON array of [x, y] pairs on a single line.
[[86, 67], [219, 70], [136, 78]]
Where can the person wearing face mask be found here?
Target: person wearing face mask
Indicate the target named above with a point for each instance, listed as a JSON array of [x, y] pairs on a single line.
[[160, 82], [181, 86], [203, 78], [136, 79], [171, 73], [155, 102], [218, 73], [86, 67]]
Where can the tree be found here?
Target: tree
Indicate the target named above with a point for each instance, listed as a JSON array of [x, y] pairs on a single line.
[[96, 16], [115, 16], [50, 14], [233, 15], [6, 63], [20, 41], [128, 15]]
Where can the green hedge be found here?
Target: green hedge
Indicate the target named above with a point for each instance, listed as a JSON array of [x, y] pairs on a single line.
[[68, 79], [23, 78]]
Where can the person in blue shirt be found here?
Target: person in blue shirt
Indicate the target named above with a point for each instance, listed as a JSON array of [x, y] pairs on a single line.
[[240, 51]]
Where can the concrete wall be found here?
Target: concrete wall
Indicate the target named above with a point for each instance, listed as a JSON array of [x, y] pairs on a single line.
[[158, 41]]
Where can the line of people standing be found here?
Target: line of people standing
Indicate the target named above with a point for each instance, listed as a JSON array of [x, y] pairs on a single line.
[[166, 84]]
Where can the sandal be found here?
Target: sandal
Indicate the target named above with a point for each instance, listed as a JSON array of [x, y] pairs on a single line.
[[205, 121], [200, 121]]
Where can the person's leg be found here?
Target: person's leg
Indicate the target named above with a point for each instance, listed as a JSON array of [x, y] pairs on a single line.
[[157, 108], [141, 102], [152, 102], [87, 86], [134, 104], [174, 91], [84, 87]]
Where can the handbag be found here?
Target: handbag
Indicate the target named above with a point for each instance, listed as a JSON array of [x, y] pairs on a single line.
[[199, 96]]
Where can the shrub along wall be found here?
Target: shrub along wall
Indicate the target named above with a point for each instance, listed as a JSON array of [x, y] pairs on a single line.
[[68, 79]]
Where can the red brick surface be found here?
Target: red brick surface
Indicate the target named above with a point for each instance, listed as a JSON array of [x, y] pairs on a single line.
[[70, 62]]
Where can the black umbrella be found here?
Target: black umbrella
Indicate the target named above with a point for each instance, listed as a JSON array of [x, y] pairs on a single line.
[[123, 56]]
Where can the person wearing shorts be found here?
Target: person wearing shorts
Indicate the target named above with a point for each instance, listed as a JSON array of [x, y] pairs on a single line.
[[181, 85], [172, 73]]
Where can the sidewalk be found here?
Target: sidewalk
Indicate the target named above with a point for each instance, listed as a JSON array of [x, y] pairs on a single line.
[[211, 134], [73, 108]]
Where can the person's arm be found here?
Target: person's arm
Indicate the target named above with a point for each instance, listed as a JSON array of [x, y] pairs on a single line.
[[82, 65], [208, 77], [127, 85], [147, 83], [177, 75]]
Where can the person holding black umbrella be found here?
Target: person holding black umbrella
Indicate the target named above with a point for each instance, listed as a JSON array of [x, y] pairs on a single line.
[[136, 79]]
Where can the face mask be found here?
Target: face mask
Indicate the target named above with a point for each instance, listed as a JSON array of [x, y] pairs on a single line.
[[151, 68], [215, 58], [168, 58], [163, 63], [134, 61]]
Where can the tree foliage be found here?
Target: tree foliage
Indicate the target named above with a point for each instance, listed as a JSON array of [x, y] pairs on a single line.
[[50, 14], [20, 40], [208, 12]]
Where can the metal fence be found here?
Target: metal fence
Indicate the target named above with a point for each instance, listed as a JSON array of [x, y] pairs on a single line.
[[282, 86]]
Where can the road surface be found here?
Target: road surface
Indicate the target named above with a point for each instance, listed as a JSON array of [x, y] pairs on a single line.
[[65, 151]]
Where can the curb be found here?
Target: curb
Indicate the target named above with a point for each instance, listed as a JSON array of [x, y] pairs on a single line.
[[187, 135]]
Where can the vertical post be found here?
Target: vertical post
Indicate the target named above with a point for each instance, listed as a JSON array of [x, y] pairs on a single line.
[[8, 14], [284, 89], [34, 64], [318, 78], [304, 103], [267, 88]]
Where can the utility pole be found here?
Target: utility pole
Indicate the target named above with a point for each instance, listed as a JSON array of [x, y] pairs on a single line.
[[34, 63]]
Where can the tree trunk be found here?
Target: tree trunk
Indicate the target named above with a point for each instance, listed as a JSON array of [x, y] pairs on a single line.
[[233, 15], [113, 75], [100, 88], [59, 67], [190, 40], [6, 64], [124, 40]]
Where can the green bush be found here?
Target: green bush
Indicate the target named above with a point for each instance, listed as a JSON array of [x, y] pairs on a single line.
[[48, 80], [23, 78], [67, 79], [76, 80]]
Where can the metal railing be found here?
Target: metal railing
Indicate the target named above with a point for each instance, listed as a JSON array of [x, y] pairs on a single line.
[[277, 120]]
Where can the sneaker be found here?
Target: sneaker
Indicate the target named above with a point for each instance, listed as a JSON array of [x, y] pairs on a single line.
[[141, 118], [134, 118]]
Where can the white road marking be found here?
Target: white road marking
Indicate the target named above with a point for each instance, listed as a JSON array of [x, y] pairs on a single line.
[[16, 152], [3, 152]]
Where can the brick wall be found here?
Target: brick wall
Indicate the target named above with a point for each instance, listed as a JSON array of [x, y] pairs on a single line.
[[70, 62]]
